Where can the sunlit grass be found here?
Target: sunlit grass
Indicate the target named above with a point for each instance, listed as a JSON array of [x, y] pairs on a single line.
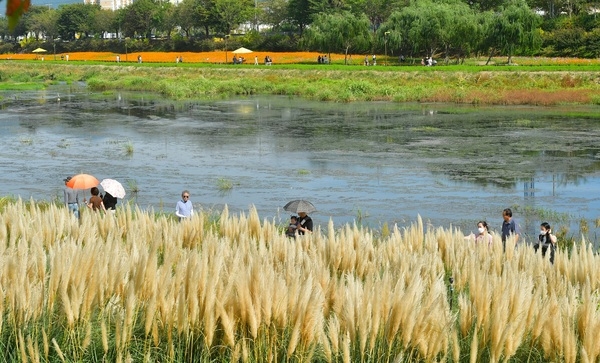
[[234, 288], [471, 84]]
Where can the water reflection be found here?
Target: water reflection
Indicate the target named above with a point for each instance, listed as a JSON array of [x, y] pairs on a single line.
[[377, 162]]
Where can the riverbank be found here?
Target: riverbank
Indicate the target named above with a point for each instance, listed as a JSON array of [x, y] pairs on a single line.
[[463, 85]]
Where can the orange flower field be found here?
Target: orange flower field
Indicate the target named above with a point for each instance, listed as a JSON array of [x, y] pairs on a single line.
[[192, 57]]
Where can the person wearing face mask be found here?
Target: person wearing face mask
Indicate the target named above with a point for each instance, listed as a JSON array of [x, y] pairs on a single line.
[[482, 235], [546, 240]]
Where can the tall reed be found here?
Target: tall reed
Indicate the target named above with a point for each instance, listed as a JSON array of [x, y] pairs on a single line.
[[136, 286]]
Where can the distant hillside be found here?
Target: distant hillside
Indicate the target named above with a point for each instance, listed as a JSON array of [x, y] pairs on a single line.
[[54, 3]]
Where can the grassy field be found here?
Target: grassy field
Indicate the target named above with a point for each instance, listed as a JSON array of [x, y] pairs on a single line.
[[140, 287], [535, 81]]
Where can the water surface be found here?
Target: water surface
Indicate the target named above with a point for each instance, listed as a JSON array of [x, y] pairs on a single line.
[[373, 163]]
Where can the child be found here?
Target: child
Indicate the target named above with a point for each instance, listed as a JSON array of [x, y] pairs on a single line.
[[291, 230]]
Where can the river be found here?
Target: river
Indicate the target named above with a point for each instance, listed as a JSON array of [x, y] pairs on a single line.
[[370, 163]]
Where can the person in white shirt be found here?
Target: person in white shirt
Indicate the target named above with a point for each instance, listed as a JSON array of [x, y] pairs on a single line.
[[184, 208]]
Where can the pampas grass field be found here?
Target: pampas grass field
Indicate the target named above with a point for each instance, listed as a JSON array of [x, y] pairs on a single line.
[[137, 287]]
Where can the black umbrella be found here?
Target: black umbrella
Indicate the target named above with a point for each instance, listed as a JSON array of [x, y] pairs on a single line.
[[299, 205]]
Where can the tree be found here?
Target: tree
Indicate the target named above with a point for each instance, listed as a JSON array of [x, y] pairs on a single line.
[[299, 13], [76, 18], [165, 18], [274, 12], [514, 28], [231, 13], [106, 22], [418, 27], [185, 14], [339, 32], [378, 11], [139, 18], [43, 23]]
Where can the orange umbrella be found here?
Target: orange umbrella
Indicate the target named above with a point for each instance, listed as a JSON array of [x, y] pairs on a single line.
[[82, 181]]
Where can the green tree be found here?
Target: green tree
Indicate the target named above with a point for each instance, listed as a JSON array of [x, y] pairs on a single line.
[[515, 28], [139, 18], [339, 32], [274, 12], [299, 13], [76, 18], [418, 28], [231, 13], [165, 18], [106, 22], [378, 11], [29, 22], [327, 6], [185, 15]]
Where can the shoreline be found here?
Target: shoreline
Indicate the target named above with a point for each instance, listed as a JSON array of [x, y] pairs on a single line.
[[440, 85]]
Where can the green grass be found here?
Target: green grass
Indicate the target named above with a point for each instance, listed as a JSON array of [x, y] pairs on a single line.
[[463, 84], [224, 184]]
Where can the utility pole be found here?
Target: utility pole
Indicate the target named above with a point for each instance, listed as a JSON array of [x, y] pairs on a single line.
[[385, 45]]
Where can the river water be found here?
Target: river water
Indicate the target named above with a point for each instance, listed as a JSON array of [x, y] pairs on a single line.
[[370, 163]]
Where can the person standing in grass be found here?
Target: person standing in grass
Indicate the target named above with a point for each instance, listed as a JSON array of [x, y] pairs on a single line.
[[184, 208], [546, 240], [509, 227], [305, 223], [482, 234], [71, 198], [292, 227], [96, 203]]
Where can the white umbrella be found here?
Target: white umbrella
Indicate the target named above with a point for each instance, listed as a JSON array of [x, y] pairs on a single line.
[[242, 50], [113, 188], [39, 50]]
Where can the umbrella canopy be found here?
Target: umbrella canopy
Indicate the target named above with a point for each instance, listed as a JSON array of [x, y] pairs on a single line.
[[242, 50], [82, 181], [113, 188], [299, 205], [39, 50]]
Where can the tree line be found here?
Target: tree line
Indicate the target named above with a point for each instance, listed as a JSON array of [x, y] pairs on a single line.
[[451, 29]]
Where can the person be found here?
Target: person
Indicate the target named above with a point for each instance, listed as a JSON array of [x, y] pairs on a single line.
[[118, 58], [67, 57], [319, 59], [71, 198], [305, 223], [547, 240], [374, 60], [110, 202], [180, 59], [140, 58], [366, 60], [509, 227], [292, 227], [184, 208], [255, 60], [482, 234], [95, 202]]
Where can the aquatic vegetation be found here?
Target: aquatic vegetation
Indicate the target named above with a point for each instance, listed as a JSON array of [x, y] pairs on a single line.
[[128, 147], [26, 140], [224, 184], [145, 287], [133, 187]]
